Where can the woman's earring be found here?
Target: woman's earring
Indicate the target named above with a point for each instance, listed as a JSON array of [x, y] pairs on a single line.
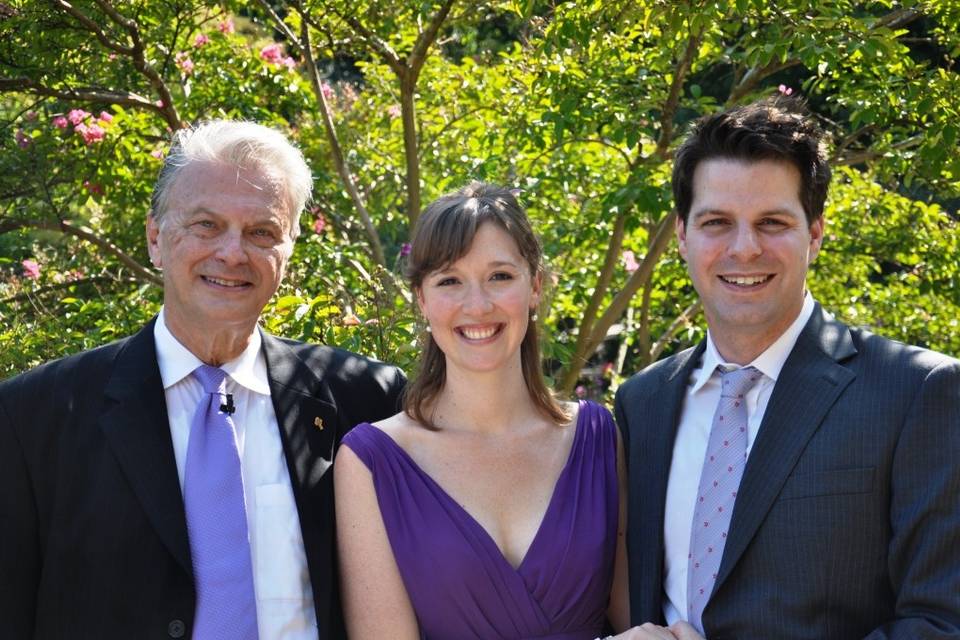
[[534, 316], [429, 330]]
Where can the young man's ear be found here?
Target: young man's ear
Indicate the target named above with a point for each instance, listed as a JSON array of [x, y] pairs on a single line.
[[681, 230], [816, 238]]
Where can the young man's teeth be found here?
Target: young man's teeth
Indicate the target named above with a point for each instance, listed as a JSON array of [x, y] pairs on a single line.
[[225, 283], [746, 280], [479, 334]]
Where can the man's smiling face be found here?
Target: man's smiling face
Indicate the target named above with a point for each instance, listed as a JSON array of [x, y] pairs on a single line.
[[747, 244], [223, 244]]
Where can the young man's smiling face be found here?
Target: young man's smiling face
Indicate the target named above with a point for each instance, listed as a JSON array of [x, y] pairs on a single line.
[[747, 245]]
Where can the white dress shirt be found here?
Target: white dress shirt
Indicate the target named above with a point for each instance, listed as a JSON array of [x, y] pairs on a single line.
[[690, 446], [281, 581]]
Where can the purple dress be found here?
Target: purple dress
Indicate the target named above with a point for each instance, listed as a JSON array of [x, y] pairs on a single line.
[[459, 582]]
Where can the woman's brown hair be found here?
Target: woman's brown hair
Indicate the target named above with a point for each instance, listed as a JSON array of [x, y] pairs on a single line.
[[443, 234]]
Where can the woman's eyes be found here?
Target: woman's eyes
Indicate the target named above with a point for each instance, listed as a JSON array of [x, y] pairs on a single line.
[[499, 276]]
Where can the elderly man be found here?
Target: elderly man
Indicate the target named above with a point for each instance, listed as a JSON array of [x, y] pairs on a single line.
[[176, 483], [790, 477]]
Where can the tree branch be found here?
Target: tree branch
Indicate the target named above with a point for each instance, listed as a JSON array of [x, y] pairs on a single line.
[[673, 98], [83, 233], [868, 155], [896, 19], [754, 76], [419, 53], [346, 176], [93, 28], [639, 278], [80, 94], [66, 285], [581, 351], [138, 56], [678, 323]]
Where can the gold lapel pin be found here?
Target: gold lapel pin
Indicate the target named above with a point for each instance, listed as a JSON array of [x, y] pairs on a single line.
[[318, 423]]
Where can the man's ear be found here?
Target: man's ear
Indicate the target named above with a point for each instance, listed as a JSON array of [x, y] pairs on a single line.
[[153, 241], [816, 238], [681, 229]]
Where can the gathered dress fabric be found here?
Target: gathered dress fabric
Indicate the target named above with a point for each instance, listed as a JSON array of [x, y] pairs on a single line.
[[460, 584]]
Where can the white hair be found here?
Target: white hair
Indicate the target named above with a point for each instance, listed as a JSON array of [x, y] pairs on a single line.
[[239, 143]]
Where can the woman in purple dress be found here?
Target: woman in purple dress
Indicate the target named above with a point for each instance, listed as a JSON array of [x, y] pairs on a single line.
[[486, 509]]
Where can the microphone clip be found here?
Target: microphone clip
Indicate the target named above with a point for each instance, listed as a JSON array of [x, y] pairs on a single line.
[[228, 407]]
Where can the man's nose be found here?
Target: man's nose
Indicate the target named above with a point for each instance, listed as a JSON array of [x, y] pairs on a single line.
[[231, 248], [746, 243]]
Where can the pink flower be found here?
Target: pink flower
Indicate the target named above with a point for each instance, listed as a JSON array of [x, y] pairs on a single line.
[[31, 269], [581, 391], [226, 26], [272, 53], [112, 57], [201, 40], [93, 188], [23, 140], [92, 133], [157, 153], [394, 111], [351, 320], [319, 224], [288, 62], [630, 261], [105, 117], [785, 90], [405, 249], [184, 62], [327, 90], [60, 122], [159, 104], [77, 116], [30, 115]]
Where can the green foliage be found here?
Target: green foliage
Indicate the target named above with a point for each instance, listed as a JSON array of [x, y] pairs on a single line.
[[578, 104]]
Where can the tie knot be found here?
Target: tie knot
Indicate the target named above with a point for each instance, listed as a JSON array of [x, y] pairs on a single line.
[[212, 379], [738, 382]]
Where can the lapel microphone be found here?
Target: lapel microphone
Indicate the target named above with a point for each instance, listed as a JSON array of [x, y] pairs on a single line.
[[228, 407]]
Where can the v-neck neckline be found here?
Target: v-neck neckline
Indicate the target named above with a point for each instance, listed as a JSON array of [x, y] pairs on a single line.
[[485, 535]]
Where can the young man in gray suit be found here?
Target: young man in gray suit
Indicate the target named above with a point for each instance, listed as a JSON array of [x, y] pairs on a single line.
[[789, 477], [177, 483]]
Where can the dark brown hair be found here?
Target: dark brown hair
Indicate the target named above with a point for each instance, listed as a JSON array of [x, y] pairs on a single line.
[[443, 234], [776, 128]]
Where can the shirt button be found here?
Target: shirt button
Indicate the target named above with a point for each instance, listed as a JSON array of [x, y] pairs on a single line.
[[176, 629]]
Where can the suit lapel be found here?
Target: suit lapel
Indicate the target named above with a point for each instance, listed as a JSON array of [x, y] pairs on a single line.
[[651, 456], [811, 381], [135, 425], [308, 420]]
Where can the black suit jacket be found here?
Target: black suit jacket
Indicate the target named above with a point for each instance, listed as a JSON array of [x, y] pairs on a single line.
[[93, 537], [847, 520]]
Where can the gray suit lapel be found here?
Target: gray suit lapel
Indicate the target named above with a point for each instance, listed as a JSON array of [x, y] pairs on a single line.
[[811, 381], [135, 424], [650, 457]]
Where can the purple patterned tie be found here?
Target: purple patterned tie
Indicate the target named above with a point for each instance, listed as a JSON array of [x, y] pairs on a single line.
[[217, 520], [723, 466]]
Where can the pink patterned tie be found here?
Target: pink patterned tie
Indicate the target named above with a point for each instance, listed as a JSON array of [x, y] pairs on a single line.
[[723, 466]]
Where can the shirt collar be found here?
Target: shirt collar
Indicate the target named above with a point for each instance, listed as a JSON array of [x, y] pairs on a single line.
[[770, 362], [176, 362]]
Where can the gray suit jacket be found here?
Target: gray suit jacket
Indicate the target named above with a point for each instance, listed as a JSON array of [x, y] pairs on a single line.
[[847, 521], [93, 535]]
